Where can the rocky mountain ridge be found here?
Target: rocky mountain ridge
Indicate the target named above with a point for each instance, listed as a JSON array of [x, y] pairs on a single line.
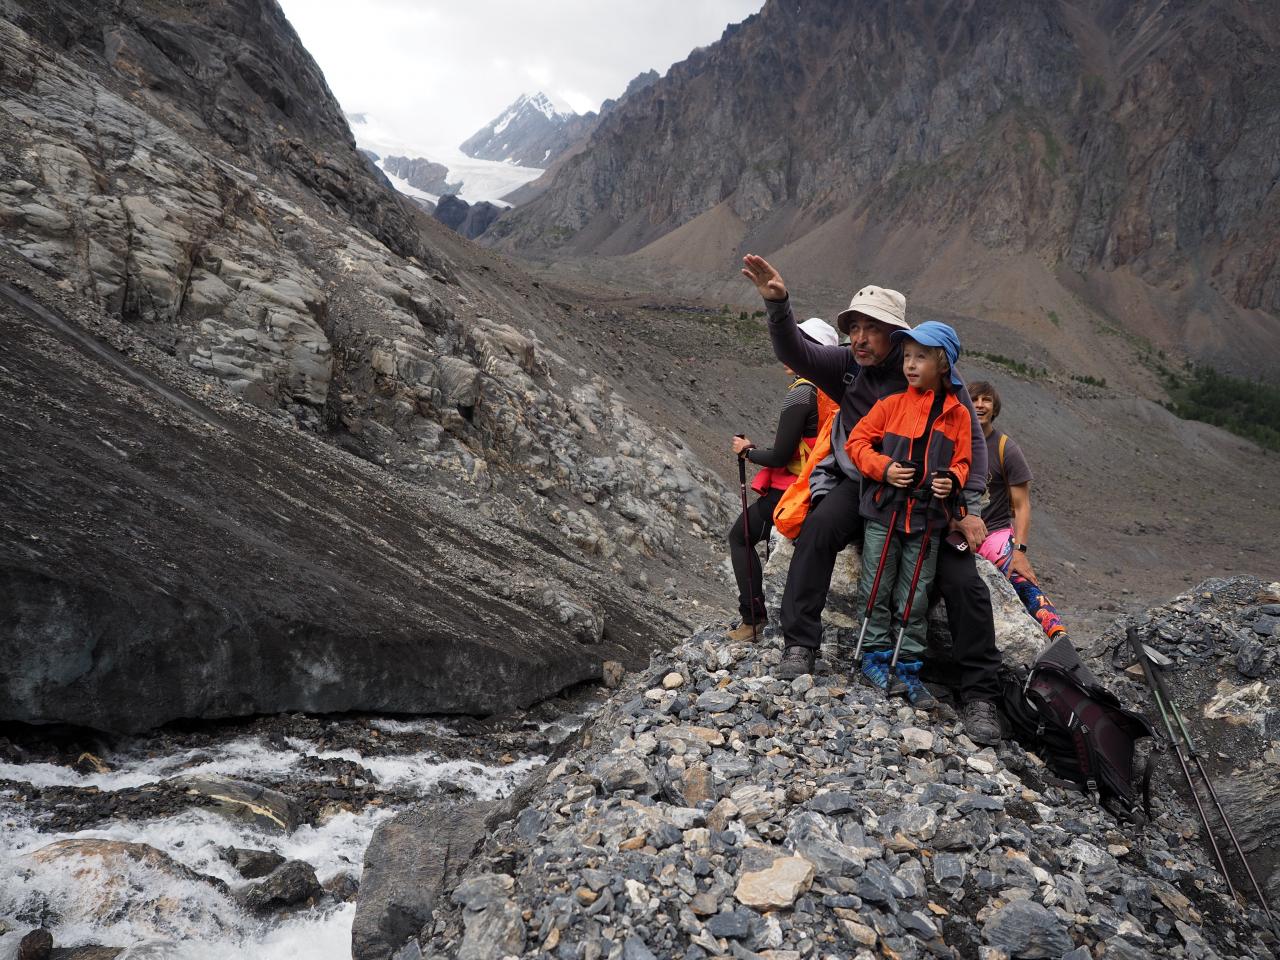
[[467, 219], [542, 135], [529, 133], [421, 173], [1090, 162]]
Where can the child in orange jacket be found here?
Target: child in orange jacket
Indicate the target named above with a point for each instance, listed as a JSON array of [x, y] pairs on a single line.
[[913, 450]]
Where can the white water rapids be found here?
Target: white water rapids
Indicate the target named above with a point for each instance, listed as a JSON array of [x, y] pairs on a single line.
[[154, 914]]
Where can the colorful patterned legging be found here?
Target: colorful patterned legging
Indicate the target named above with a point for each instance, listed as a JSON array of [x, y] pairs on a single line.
[[998, 548]]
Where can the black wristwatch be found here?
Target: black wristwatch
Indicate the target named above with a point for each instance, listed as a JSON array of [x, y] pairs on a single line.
[[1020, 547]]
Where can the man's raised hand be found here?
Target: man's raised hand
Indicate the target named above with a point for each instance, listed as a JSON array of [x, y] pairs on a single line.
[[767, 280]]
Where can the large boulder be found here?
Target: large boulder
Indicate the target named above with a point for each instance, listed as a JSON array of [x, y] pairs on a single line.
[[101, 882], [1221, 642], [1018, 634], [408, 863], [261, 807]]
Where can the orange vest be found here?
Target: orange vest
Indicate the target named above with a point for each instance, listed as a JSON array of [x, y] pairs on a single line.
[[782, 478], [789, 514]]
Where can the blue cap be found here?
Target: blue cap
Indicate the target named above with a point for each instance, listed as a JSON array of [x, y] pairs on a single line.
[[933, 333]]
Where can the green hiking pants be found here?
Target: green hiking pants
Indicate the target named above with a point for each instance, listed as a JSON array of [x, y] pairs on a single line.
[[891, 598]]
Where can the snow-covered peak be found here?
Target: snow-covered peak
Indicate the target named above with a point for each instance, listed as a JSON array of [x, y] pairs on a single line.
[[526, 105], [530, 132]]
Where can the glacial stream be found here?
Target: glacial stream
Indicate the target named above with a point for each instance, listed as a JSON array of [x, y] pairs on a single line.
[[344, 776]]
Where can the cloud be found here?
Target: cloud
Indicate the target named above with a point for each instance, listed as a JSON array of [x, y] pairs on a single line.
[[539, 73], [436, 72], [576, 99]]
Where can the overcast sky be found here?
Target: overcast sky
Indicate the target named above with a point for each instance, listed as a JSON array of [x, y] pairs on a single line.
[[435, 72]]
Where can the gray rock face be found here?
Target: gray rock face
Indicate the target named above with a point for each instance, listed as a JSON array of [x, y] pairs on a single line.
[[225, 271], [236, 65], [197, 518], [468, 219], [407, 864], [1226, 690], [422, 173]]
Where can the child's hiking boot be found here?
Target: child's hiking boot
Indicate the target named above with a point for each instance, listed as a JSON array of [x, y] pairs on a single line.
[[744, 631], [875, 668], [796, 662], [912, 687]]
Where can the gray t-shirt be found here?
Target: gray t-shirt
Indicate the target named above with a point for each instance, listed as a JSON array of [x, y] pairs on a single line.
[[996, 514]]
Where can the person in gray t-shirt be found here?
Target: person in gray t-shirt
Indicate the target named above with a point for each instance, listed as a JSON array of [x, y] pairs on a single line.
[[1008, 511]]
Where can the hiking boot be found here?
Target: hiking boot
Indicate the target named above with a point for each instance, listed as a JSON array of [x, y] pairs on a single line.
[[875, 668], [912, 687], [744, 631], [796, 662], [981, 722]]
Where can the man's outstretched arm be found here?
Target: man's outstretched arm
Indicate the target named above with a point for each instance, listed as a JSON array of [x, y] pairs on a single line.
[[825, 366]]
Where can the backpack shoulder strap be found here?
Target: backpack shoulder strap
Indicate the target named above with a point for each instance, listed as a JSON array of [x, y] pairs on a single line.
[[1008, 492]]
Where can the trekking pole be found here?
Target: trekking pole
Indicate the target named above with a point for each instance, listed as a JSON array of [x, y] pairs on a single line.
[[896, 687], [746, 537], [1149, 672], [875, 583], [1163, 694]]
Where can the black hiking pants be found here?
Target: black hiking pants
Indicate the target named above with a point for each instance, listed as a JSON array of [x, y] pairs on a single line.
[[832, 525], [746, 562]]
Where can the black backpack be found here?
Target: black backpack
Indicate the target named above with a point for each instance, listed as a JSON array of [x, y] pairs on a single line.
[[1063, 713]]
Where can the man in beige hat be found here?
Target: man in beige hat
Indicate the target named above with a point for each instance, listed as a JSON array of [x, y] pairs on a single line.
[[871, 368]]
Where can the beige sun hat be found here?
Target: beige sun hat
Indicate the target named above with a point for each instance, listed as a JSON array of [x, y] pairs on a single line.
[[878, 303]]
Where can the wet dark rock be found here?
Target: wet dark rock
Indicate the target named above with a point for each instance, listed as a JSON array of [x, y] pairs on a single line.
[[343, 887], [290, 885], [240, 800], [88, 763], [251, 864], [36, 945]]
